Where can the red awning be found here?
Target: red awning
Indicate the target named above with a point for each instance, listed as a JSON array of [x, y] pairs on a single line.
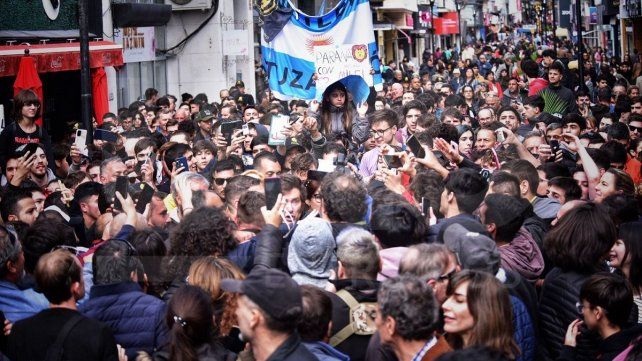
[[60, 57]]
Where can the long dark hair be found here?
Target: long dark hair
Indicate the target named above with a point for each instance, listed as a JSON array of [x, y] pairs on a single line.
[[326, 109], [190, 320], [581, 239], [632, 237], [489, 304], [24, 97]]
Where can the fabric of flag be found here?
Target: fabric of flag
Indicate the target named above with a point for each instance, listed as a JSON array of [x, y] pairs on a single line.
[[288, 56]]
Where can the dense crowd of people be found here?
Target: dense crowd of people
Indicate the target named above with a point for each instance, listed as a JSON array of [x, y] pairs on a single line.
[[482, 206]]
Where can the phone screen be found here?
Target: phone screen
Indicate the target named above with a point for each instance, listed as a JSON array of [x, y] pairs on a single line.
[[227, 129], [416, 147], [122, 186], [144, 198], [105, 135], [272, 190], [425, 206], [393, 161]]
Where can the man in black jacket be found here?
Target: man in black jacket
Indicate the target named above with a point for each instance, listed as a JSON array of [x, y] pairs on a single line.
[[61, 328], [359, 264], [269, 309]]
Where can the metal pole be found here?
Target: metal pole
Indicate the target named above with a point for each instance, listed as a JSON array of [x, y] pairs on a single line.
[[432, 30], [85, 77], [580, 42], [544, 26]]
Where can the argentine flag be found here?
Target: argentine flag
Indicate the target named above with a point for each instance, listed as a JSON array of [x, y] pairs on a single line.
[[289, 58]]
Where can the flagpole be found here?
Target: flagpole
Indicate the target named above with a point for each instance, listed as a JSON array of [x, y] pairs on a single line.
[[85, 77]]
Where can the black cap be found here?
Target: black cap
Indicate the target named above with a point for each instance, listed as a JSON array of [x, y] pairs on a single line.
[[204, 114], [239, 84], [274, 291]]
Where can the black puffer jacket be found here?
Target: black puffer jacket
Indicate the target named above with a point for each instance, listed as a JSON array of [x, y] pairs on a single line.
[[557, 309]]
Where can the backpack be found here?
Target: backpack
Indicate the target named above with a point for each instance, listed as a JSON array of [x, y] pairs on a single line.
[[361, 320]]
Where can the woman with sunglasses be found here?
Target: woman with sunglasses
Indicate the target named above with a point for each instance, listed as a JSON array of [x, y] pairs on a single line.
[[23, 129]]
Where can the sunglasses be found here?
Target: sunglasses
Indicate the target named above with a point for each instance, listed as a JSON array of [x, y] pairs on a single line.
[[634, 128], [76, 251], [220, 181]]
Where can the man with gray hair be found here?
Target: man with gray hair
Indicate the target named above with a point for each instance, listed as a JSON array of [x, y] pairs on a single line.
[[410, 330], [359, 264], [184, 187], [111, 169], [434, 263]]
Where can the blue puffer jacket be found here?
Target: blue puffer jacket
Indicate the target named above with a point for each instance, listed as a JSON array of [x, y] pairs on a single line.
[[137, 319], [524, 331]]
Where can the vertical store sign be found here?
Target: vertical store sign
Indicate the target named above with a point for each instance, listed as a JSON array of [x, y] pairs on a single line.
[[139, 44]]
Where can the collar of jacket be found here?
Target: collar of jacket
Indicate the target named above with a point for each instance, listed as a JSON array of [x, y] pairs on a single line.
[[286, 348], [114, 289], [357, 284]]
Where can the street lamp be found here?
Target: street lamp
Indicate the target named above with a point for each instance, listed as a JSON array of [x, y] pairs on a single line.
[[459, 5]]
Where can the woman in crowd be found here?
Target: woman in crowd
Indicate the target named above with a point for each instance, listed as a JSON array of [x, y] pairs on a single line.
[[614, 181], [336, 114], [466, 140], [626, 256], [23, 129], [577, 247], [478, 313], [207, 274], [190, 319]]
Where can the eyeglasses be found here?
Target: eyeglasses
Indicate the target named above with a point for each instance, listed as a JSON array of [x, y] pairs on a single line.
[[76, 251], [374, 133], [634, 128], [579, 307], [220, 181], [447, 277]]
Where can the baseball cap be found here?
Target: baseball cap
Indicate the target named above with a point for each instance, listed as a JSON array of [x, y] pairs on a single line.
[[239, 84], [474, 250], [274, 291], [204, 114]]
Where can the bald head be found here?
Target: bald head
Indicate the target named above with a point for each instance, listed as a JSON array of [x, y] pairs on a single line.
[[565, 208]]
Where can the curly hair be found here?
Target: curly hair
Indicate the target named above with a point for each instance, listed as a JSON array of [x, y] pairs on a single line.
[[411, 303], [204, 232], [207, 274], [344, 198]]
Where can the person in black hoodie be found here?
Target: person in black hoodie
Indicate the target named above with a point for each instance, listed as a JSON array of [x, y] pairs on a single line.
[[558, 99], [605, 304]]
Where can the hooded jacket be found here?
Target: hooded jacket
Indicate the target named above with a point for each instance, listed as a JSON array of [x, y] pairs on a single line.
[[523, 256]]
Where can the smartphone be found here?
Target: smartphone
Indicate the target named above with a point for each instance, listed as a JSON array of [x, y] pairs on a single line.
[[555, 146], [425, 206], [228, 128], [246, 129], [415, 147], [316, 175], [105, 135], [144, 198], [29, 147], [393, 161], [122, 186], [500, 136], [181, 162], [81, 141], [272, 190]]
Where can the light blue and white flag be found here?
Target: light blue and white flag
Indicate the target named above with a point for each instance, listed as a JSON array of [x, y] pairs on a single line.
[[289, 58]]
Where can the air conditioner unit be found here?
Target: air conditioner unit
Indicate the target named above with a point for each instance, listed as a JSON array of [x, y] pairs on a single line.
[[179, 5]]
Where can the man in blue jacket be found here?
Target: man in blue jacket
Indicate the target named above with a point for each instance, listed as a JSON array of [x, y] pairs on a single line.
[[116, 299]]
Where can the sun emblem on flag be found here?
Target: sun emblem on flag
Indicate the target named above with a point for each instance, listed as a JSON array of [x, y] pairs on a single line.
[[318, 40], [359, 52]]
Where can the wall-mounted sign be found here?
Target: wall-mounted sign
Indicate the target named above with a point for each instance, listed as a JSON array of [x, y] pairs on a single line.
[[52, 8], [139, 44]]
